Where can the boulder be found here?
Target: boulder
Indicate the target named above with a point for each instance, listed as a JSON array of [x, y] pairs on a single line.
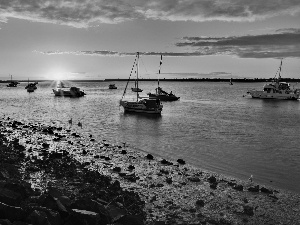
[[79, 217], [11, 213], [130, 219], [149, 156], [10, 197], [38, 218], [194, 179], [254, 189]]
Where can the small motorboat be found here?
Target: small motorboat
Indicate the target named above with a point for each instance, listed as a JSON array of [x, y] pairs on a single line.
[[112, 86], [72, 92], [276, 90]]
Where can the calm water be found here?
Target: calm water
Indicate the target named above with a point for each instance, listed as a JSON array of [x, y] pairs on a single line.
[[212, 126]]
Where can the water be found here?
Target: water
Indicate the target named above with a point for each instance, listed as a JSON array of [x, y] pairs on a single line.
[[212, 126]]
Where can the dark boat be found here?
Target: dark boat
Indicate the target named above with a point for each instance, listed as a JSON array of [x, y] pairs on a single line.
[[12, 83], [72, 92], [160, 93], [112, 86], [163, 96]]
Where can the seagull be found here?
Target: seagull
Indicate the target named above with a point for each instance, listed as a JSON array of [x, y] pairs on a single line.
[[79, 124], [251, 178], [70, 121]]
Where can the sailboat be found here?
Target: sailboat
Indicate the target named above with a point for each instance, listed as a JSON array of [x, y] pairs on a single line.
[[12, 83], [135, 88], [140, 104], [276, 90], [31, 87], [160, 93]]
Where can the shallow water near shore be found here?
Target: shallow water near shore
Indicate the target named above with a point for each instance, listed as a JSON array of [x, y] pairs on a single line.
[[212, 126]]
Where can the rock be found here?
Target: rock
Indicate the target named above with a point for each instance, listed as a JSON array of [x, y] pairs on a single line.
[[53, 203], [169, 180], [5, 222], [181, 161], [38, 218], [213, 185], [130, 219], [115, 212], [45, 145], [254, 189], [200, 203], [248, 210], [79, 217], [94, 206], [10, 197], [238, 187], [117, 169], [149, 156], [212, 179], [124, 152], [194, 179], [131, 167], [266, 190], [11, 213]]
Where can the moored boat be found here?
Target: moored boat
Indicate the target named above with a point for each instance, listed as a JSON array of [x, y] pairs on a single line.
[[276, 90], [140, 104], [31, 86], [112, 86], [160, 93], [12, 83], [72, 92]]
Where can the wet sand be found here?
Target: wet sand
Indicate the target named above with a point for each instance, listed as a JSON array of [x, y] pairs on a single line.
[[170, 191]]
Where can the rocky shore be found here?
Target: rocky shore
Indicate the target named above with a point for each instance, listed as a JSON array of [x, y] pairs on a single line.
[[53, 175]]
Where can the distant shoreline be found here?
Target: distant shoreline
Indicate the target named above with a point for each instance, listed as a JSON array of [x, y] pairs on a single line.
[[239, 80]]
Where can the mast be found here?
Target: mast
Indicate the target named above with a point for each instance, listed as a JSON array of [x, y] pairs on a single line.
[[137, 76], [159, 70], [279, 77]]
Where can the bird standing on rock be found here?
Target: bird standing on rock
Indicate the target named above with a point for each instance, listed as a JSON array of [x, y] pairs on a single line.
[[251, 178], [70, 122]]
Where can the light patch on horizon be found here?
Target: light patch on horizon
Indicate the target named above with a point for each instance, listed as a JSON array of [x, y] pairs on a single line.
[[88, 13]]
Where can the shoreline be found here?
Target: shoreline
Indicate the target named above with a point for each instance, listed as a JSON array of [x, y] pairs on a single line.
[[169, 191]]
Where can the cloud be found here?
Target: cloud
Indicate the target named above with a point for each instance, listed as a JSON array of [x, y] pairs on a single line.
[[283, 43], [86, 13]]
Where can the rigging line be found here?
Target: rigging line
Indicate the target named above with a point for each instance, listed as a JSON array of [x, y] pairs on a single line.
[[134, 64]]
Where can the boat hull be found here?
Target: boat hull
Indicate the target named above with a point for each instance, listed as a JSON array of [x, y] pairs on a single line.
[[281, 96], [65, 93], [164, 97], [139, 107]]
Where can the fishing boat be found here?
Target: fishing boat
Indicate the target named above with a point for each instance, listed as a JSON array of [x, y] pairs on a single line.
[[12, 83], [140, 104], [276, 89], [160, 93], [72, 92], [112, 86]]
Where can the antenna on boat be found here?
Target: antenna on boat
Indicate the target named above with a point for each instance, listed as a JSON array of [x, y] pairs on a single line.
[[159, 69]]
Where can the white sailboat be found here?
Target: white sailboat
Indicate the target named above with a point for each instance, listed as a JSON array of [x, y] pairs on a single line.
[[276, 90], [140, 104]]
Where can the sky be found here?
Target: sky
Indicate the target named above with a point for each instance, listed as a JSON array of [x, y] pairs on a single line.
[[98, 39]]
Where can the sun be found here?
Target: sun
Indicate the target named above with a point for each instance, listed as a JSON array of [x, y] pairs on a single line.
[[58, 76]]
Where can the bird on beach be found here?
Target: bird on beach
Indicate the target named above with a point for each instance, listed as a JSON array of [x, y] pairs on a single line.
[[70, 122], [79, 124], [251, 178]]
